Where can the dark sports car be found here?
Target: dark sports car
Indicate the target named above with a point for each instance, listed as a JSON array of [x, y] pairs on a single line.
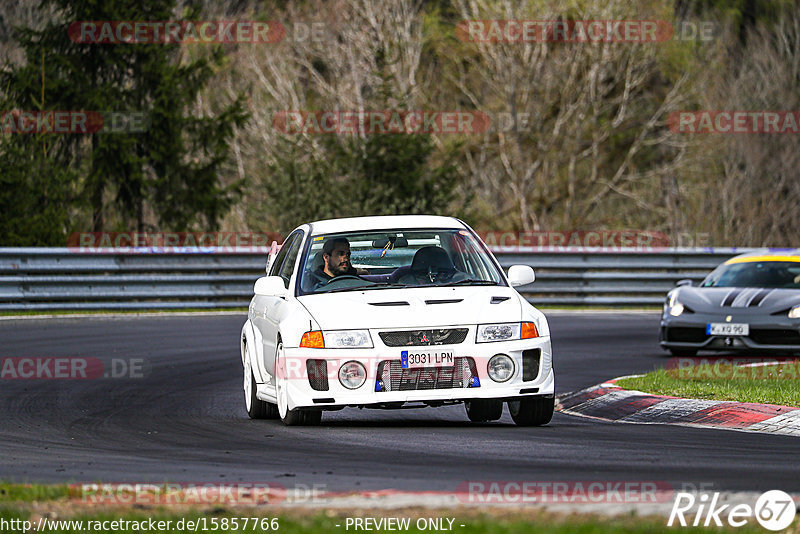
[[750, 302]]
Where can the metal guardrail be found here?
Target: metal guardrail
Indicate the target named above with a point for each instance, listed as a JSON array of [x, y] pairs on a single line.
[[66, 279]]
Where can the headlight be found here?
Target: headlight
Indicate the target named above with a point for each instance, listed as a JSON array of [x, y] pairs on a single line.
[[794, 313], [352, 375], [347, 339], [674, 307], [506, 332], [500, 368]]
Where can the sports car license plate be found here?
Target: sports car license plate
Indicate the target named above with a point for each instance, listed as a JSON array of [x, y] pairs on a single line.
[[727, 329], [416, 359]]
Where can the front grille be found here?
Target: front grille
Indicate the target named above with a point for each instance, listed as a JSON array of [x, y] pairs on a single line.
[[530, 364], [317, 374], [393, 377], [407, 338], [775, 337], [684, 334]]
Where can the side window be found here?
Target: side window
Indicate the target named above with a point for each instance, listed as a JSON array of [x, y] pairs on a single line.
[[287, 268], [276, 265]]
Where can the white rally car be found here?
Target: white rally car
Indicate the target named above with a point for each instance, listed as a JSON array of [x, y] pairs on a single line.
[[391, 312]]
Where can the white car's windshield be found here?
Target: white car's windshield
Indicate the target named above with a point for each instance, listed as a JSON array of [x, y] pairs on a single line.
[[385, 259]]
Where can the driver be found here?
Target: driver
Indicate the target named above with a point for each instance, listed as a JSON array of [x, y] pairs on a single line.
[[336, 260]]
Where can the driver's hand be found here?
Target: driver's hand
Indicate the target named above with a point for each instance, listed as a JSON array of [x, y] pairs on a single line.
[[360, 271]]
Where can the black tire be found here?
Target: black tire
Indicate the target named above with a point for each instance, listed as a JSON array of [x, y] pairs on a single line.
[[300, 417], [260, 409], [482, 410], [683, 353], [532, 411], [292, 418], [312, 417]]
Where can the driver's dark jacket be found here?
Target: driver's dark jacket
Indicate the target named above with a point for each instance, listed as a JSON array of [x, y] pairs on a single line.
[[322, 277]]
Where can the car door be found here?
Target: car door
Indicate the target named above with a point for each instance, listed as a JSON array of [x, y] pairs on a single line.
[[276, 308]]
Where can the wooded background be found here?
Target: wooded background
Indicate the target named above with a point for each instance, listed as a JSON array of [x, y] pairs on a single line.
[[579, 139]]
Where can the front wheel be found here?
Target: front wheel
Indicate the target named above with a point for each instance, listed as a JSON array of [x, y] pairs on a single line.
[[289, 417], [532, 411], [482, 410], [256, 408]]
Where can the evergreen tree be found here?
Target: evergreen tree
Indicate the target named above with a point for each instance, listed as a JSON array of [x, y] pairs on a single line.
[[392, 174], [171, 170]]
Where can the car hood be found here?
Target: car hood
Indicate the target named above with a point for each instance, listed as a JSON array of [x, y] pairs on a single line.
[[702, 299], [411, 308]]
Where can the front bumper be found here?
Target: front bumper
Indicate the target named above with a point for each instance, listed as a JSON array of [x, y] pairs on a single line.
[[301, 394], [767, 332]]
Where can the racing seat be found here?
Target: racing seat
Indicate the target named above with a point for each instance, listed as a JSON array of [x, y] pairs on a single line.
[[431, 264]]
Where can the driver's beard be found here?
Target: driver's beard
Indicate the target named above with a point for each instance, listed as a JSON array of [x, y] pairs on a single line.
[[338, 270]]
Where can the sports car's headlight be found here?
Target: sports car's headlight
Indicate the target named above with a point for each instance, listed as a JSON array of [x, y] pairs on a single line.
[[674, 308], [352, 375], [794, 313], [500, 367], [347, 339], [506, 332]]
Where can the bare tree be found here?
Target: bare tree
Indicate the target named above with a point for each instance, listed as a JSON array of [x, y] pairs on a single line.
[[750, 188], [336, 55], [581, 114]]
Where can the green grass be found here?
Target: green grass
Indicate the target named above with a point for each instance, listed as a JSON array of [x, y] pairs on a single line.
[[31, 492], [774, 384]]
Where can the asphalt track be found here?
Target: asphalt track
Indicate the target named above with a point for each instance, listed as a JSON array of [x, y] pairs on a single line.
[[185, 421]]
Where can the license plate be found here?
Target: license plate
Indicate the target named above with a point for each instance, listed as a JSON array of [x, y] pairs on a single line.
[[417, 359], [727, 329]]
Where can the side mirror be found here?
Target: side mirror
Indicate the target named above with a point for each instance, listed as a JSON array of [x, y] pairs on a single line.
[[270, 286], [520, 275], [684, 282]]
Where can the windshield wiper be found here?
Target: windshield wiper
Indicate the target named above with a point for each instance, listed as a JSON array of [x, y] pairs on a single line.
[[471, 281], [386, 285]]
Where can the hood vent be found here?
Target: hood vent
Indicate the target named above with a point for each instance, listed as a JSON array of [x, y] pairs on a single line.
[[390, 303], [443, 301], [498, 300]]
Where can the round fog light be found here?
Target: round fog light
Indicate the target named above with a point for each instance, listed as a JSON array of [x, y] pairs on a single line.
[[500, 368], [352, 375]]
